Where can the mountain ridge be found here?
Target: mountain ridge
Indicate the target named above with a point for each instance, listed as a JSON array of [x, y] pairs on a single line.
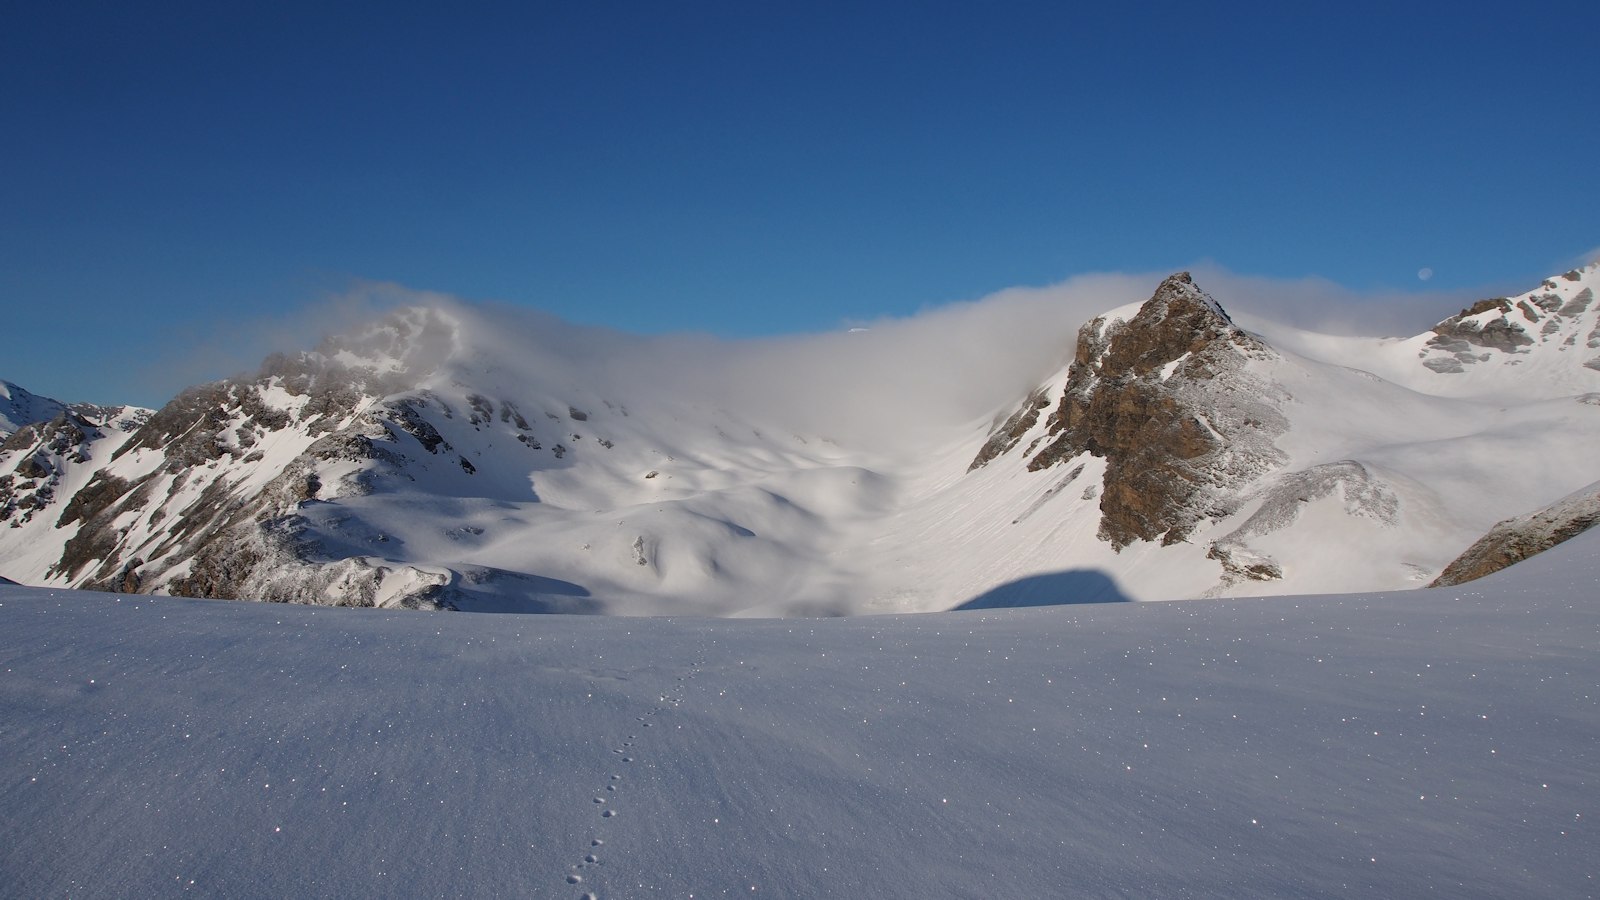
[[19, 407], [438, 458]]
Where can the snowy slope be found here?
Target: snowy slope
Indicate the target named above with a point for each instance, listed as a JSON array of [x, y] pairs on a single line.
[[1372, 483], [481, 459], [1439, 742], [19, 407], [43, 468], [1541, 344]]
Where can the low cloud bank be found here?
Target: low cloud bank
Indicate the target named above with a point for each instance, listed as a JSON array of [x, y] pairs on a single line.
[[887, 382]]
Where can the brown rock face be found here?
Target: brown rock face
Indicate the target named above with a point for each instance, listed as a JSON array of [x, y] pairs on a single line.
[[1167, 400], [1518, 538]]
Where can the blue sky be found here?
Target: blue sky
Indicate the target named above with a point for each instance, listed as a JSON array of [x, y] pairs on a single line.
[[173, 175]]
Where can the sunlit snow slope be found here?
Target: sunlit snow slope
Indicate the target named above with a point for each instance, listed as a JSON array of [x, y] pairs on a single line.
[[1439, 742]]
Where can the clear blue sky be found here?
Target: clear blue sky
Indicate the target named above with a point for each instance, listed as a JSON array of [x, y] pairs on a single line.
[[753, 168]]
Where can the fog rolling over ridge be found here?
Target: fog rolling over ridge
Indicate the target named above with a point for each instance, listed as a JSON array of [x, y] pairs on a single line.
[[879, 382], [1117, 436], [985, 349]]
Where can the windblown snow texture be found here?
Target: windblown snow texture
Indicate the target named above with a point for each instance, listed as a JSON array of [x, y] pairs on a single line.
[[1428, 742]]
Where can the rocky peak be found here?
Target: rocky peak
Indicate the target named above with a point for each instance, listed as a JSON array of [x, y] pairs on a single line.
[[1179, 319], [1167, 400]]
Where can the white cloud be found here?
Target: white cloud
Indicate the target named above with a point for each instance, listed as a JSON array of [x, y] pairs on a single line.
[[887, 385]]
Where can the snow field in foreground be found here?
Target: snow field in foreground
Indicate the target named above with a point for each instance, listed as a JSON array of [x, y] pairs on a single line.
[[1357, 745]]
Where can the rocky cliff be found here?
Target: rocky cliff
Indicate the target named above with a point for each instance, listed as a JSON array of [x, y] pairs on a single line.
[[1561, 315], [202, 497], [1168, 399]]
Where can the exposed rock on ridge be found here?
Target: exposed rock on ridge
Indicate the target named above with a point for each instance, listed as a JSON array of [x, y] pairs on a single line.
[[235, 489], [1361, 494], [1167, 398], [1559, 315], [194, 506], [35, 459], [1009, 433], [1520, 537]]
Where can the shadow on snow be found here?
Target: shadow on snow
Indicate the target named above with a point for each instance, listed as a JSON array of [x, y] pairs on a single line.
[[1051, 589]]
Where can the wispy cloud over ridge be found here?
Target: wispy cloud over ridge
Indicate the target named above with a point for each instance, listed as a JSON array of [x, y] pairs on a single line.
[[869, 379]]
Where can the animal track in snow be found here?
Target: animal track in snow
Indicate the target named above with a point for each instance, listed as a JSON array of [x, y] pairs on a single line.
[[607, 799]]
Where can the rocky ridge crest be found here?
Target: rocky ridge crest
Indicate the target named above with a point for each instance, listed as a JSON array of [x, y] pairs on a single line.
[[1561, 313], [1169, 400], [204, 497], [19, 407], [1517, 538]]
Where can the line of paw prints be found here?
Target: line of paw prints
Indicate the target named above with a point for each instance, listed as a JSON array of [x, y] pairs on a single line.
[[605, 800]]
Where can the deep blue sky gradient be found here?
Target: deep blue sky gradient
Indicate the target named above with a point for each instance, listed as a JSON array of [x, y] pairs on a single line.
[[757, 168]]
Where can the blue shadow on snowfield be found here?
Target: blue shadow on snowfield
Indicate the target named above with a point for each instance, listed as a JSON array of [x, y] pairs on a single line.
[[499, 591], [1068, 588]]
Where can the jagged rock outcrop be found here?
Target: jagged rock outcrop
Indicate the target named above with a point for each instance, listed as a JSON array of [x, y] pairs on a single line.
[[208, 496], [1520, 537], [1011, 432], [1479, 328], [1168, 399]]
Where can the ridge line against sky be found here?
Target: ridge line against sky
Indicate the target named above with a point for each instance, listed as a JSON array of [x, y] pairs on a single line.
[[745, 170]]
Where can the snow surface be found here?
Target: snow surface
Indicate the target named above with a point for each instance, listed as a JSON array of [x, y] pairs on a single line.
[[19, 407], [1442, 742]]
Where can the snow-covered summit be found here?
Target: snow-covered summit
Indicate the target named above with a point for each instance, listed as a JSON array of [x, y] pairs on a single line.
[[1551, 335], [1529, 347], [19, 407]]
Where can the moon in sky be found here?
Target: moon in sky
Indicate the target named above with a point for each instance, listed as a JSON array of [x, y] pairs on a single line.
[[1424, 273]]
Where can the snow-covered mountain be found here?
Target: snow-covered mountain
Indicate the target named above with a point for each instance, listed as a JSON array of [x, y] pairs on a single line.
[[467, 457], [45, 467], [19, 407]]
